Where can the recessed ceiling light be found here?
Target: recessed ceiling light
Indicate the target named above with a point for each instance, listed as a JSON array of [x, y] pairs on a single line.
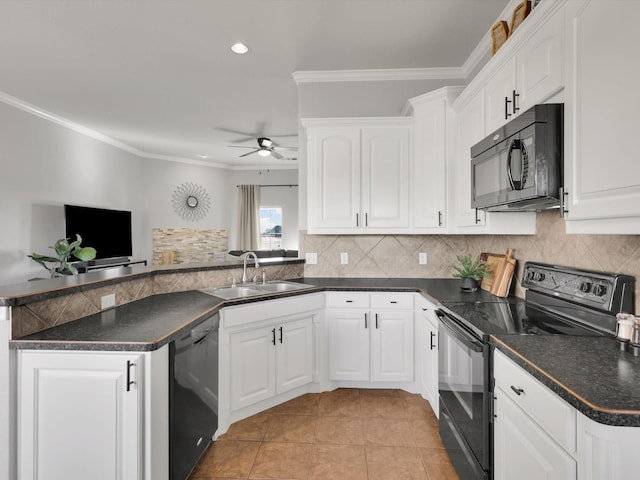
[[202, 156], [239, 48]]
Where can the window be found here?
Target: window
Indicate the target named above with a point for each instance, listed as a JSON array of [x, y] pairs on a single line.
[[270, 228]]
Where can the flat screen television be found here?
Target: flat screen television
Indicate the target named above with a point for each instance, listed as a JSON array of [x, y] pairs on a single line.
[[108, 231]]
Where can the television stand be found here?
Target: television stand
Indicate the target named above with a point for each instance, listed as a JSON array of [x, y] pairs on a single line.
[[84, 267]]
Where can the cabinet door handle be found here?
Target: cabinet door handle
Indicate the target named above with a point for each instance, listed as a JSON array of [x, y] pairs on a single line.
[[506, 108], [514, 96], [357, 219], [477, 218], [433, 335], [365, 321], [563, 202], [366, 219], [129, 381], [273, 332], [439, 218], [280, 334], [376, 320], [518, 391]]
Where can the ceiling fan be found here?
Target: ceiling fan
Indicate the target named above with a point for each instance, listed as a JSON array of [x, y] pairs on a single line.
[[266, 147]]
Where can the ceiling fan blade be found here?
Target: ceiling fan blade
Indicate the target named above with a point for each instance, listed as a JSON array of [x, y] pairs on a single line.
[[241, 146], [249, 153], [275, 154]]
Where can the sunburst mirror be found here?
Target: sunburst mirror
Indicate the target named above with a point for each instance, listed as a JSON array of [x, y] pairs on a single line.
[[191, 201]]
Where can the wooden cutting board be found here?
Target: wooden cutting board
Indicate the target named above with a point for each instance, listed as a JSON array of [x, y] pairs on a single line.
[[504, 274], [493, 260]]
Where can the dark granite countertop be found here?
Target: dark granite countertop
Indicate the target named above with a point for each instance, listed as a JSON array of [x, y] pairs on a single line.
[[589, 373]]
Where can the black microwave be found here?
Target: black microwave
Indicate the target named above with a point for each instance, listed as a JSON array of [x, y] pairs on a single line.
[[519, 166]]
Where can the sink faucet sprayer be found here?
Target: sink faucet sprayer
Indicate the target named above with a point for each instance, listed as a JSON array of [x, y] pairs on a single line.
[[244, 269]]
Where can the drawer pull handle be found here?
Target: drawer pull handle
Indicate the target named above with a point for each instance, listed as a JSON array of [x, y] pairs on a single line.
[[394, 301], [518, 391], [425, 309], [349, 301]]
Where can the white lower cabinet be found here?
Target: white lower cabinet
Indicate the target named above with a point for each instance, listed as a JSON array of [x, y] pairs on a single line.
[[80, 415], [270, 360], [428, 346], [371, 344], [523, 449]]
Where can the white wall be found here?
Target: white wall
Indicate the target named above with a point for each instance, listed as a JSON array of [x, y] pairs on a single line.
[[285, 197], [43, 166], [161, 178]]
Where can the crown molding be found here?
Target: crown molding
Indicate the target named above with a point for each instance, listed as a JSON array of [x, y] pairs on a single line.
[[377, 75], [88, 132]]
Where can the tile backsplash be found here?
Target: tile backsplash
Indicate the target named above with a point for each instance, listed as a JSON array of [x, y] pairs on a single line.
[[390, 256]]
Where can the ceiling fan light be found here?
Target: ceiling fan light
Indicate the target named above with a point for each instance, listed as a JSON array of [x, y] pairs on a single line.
[[239, 48], [264, 142], [264, 152]]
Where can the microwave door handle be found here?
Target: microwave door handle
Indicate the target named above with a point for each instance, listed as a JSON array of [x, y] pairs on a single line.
[[515, 184]]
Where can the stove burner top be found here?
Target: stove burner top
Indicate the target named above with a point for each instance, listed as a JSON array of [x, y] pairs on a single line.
[[514, 316]]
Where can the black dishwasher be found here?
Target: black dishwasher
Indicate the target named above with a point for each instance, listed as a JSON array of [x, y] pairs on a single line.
[[193, 396]]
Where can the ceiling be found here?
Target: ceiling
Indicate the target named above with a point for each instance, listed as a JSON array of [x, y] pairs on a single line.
[[158, 76]]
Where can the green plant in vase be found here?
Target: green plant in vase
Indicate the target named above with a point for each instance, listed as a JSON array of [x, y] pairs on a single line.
[[471, 271], [61, 265]]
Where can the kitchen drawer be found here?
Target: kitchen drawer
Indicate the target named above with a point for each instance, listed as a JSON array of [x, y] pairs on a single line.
[[553, 414], [347, 300], [392, 300], [423, 304]]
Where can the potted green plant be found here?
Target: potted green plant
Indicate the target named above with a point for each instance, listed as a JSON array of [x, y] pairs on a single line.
[[470, 271], [61, 264]]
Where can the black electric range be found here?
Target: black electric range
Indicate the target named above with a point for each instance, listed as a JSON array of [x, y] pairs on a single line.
[[558, 301]]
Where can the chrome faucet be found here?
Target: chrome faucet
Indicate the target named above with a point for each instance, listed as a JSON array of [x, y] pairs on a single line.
[[244, 268]]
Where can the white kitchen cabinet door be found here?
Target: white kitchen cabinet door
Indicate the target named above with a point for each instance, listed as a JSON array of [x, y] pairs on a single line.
[[252, 365], [294, 354], [498, 95], [349, 344], [79, 416], [539, 64], [392, 342], [602, 173], [385, 177], [523, 450], [334, 178], [429, 346], [429, 160], [470, 130]]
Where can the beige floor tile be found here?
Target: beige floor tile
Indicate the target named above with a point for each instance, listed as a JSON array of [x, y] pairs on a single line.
[[327, 471], [252, 428], [425, 434], [291, 428], [282, 461], [389, 432], [439, 471], [381, 471], [339, 431], [340, 405], [338, 454], [432, 456], [383, 406], [228, 459], [304, 405], [403, 456]]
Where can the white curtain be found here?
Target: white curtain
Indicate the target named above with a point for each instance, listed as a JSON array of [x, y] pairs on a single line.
[[248, 217]]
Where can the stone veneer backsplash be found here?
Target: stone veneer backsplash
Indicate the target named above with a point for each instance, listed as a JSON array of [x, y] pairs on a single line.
[[396, 256], [37, 316], [189, 245]]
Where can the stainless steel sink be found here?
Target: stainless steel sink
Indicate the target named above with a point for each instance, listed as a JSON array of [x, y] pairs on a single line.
[[253, 289]]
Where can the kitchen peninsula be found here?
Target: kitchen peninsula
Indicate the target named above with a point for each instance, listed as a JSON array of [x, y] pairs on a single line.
[[141, 329]]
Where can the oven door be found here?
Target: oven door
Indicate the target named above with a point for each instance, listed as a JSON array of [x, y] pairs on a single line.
[[465, 399]]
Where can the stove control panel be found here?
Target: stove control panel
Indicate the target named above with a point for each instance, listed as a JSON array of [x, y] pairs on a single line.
[[605, 291]]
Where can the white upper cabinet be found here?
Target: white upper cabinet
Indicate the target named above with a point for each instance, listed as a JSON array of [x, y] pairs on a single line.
[[602, 179], [529, 75], [358, 175], [433, 144]]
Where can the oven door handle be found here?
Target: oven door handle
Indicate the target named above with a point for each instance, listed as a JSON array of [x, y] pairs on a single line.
[[458, 332]]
